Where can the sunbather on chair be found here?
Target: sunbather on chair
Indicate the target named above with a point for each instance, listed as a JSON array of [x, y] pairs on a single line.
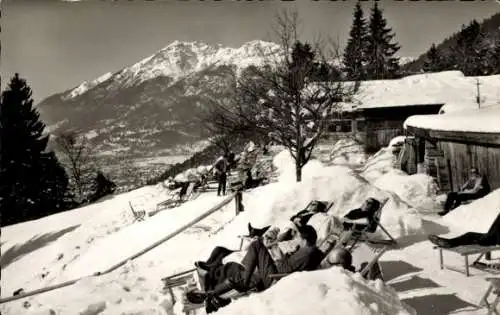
[[300, 219], [476, 187], [366, 211], [471, 238], [259, 259]]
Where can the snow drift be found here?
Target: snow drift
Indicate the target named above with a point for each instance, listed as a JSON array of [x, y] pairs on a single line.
[[329, 291]]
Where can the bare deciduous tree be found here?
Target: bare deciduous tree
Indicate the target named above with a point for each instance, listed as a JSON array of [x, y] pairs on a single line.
[[289, 100], [76, 155]]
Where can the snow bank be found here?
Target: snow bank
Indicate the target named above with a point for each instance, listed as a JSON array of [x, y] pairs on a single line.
[[379, 164], [418, 190], [349, 152], [329, 291], [477, 120], [476, 216]]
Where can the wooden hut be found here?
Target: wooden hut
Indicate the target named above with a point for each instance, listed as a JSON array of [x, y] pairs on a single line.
[[448, 146], [382, 123]]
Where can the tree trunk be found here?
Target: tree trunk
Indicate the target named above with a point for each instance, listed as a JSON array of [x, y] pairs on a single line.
[[298, 171]]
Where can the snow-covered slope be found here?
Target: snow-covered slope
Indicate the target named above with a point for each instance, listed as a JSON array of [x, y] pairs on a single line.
[[80, 242]]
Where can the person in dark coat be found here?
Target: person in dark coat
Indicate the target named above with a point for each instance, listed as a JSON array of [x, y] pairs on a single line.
[[471, 238], [367, 211], [476, 187], [221, 169]]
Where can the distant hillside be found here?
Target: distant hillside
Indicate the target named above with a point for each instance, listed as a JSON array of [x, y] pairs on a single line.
[[490, 28]]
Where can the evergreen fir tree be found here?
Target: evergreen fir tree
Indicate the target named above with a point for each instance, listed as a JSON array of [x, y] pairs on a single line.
[[434, 62], [302, 65], [32, 182], [470, 50], [102, 187], [355, 52], [381, 60], [496, 56]]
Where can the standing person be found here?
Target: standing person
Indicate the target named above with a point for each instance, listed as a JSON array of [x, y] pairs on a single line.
[[221, 166]]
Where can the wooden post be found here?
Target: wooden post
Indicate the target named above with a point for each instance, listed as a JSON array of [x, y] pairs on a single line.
[[450, 175], [238, 199]]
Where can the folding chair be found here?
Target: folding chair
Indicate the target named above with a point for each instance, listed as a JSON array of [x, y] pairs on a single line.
[[465, 251], [493, 290], [371, 227], [365, 271], [138, 215]]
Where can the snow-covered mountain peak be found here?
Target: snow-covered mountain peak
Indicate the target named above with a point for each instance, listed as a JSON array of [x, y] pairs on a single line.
[[86, 85], [180, 59]]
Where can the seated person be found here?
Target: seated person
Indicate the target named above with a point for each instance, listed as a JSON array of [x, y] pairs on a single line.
[[471, 238], [301, 218], [256, 267], [366, 211], [476, 187]]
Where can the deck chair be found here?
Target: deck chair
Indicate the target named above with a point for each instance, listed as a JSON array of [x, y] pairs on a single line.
[[482, 251], [371, 227], [138, 215], [465, 251], [182, 196], [494, 292]]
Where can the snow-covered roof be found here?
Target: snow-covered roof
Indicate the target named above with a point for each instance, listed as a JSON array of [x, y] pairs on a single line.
[[484, 120], [448, 87]]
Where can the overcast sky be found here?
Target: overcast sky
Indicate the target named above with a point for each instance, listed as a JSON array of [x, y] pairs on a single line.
[[56, 45]]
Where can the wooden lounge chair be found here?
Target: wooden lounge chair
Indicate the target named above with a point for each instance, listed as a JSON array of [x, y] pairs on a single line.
[[138, 215], [465, 251], [493, 291], [371, 227]]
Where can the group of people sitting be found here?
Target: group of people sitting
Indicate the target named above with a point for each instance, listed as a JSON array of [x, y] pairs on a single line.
[[264, 257]]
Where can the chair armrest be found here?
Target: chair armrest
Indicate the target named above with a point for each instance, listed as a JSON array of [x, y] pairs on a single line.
[[278, 275], [358, 221]]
